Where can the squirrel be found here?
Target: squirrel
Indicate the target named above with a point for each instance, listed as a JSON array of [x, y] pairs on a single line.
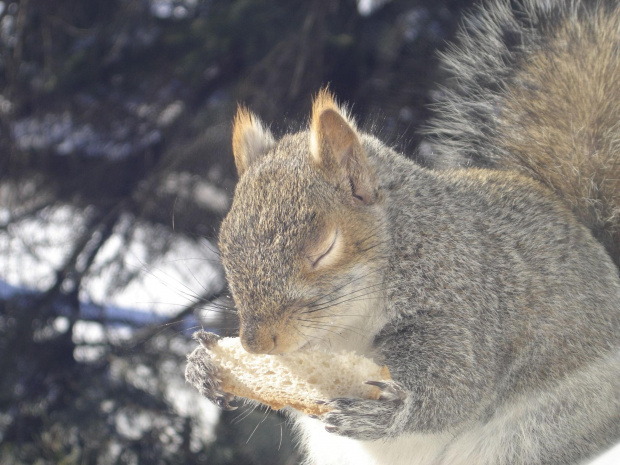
[[488, 284]]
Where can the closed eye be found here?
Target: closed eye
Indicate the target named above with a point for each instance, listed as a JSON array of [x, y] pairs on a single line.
[[326, 252]]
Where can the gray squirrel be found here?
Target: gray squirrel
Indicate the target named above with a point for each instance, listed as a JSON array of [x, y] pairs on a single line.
[[489, 285]]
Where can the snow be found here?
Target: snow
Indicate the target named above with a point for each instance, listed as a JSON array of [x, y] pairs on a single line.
[[59, 132], [368, 7], [203, 193], [140, 276], [34, 248], [177, 9], [127, 276]]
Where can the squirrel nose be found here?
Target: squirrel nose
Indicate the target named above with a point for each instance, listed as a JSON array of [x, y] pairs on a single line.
[[258, 341]]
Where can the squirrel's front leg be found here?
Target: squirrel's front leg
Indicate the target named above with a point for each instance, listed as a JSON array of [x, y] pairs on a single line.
[[365, 419], [203, 374], [440, 376]]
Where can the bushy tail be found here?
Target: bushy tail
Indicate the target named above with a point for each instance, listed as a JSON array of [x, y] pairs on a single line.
[[536, 88]]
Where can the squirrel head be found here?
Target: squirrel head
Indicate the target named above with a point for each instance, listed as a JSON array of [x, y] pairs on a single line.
[[302, 242]]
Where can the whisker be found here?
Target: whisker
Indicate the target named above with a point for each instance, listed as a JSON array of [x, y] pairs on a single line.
[[315, 302], [185, 259], [242, 416], [281, 436], [202, 286], [218, 308], [211, 248], [351, 281], [260, 423], [329, 331], [338, 300], [305, 336], [332, 316], [348, 297], [342, 334], [319, 324]]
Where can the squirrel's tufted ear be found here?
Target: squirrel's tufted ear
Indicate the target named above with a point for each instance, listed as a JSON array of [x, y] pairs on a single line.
[[336, 149], [251, 139]]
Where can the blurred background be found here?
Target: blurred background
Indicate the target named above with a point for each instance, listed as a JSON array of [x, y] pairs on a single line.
[[115, 172]]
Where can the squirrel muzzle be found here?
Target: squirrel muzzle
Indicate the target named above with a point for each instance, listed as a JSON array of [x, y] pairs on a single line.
[[267, 337]]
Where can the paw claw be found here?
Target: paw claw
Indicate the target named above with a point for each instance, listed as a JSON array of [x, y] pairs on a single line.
[[222, 402], [390, 391], [379, 384]]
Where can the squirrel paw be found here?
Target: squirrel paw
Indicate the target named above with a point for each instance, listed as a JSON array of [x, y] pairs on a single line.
[[203, 374], [365, 419]]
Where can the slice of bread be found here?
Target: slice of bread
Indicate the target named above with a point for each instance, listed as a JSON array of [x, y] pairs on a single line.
[[296, 379]]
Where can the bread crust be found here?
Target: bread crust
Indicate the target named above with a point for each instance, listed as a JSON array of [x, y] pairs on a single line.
[[295, 379]]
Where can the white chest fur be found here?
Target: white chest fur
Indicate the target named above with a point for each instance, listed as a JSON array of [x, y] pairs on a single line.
[[323, 448]]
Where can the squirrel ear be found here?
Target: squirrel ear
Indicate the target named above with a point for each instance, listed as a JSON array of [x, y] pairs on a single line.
[[337, 151], [251, 139]]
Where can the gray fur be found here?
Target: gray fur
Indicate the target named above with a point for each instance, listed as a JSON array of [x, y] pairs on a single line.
[[495, 301], [494, 307]]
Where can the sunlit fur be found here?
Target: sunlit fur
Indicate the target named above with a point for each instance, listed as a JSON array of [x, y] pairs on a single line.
[[325, 101], [251, 139], [494, 307]]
